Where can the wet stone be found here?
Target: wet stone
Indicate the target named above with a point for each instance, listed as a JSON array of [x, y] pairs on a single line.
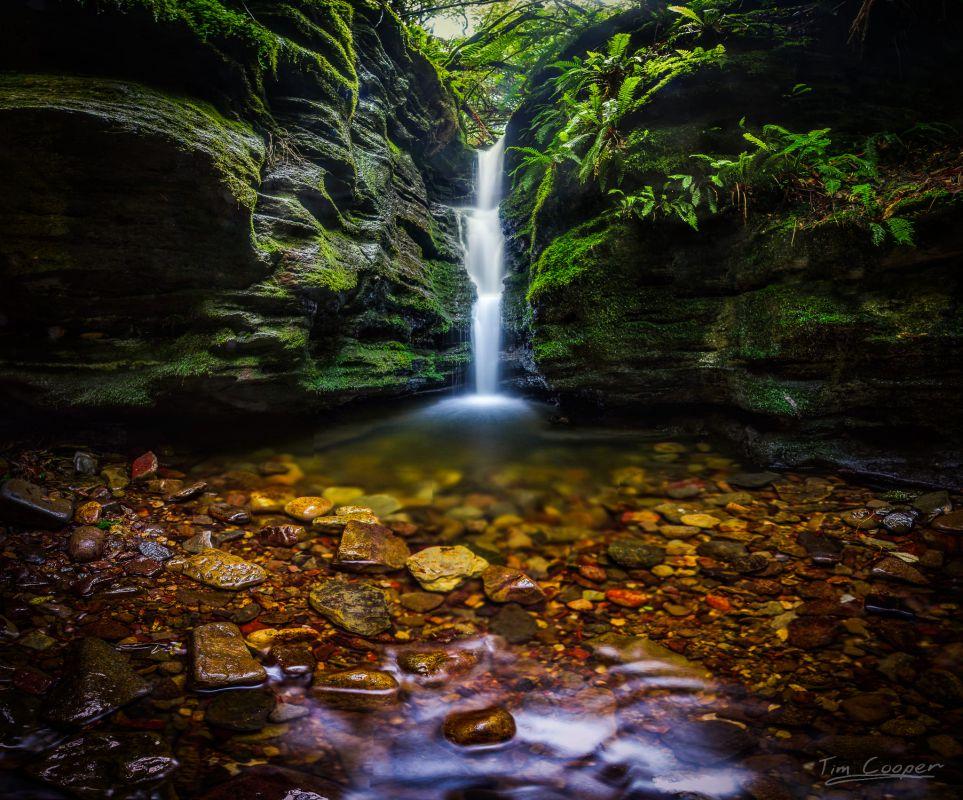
[[436, 666], [116, 477], [709, 741], [85, 463], [679, 531], [199, 542], [896, 569], [441, 569], [356, 689], [933, 503], [25, 503], [952, 522], [356, 607], [93, 765], [189, 492], [144, 467], [243, 711], [282, 535], [705, 521], [899, 522], [37, 640], [615, 648], [487, 726], [294, 658], [421, 602], [223, 570], [366, 547], [306, 509], [514, 624], [221, 659], [98, 680], [86, 544], [232, 515], [860, 748], [506, 585], [721, 550], [821, 549], [88, 513], [861, 518], [287, 712], [154, 550], [633, 554], [750, 564]]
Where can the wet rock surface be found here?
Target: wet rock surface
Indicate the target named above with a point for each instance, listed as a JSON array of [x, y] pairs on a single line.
[[223, 570], [356, 607], [239, 710], [441, 569], [220, 658], [356, 689], [485, 726], [505, 585], [27, 503], [99, 681], [86, 543], [746, 632], [366, 547], [96, 765]]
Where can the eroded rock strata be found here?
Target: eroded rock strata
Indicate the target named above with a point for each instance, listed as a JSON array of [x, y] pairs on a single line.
[[224, 207]]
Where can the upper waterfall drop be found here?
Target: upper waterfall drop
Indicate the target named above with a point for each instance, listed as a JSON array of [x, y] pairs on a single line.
[[484, 260]]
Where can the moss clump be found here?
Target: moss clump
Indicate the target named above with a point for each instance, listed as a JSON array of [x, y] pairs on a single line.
[[575, 253], [786, 319], [334, 278], [765, 394], [211, 21], [363, 367], [360, 366]]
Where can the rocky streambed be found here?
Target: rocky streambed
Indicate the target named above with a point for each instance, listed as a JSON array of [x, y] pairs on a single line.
[[471, 603]]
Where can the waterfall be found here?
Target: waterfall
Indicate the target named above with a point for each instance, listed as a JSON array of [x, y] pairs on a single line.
[[484, 253]]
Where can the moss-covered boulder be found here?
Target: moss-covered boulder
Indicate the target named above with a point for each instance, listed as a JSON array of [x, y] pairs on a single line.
[[817, 342], [224, 205]]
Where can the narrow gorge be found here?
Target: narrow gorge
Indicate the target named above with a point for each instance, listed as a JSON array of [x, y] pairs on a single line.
[[481, 399]]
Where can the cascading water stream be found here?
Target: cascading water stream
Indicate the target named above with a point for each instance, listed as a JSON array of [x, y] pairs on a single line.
[[484, 254]]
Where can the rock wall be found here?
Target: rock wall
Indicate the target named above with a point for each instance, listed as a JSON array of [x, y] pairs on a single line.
[[208, 206], [807, 343]]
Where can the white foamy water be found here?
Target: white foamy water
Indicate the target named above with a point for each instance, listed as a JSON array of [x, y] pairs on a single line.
[[484, 260]]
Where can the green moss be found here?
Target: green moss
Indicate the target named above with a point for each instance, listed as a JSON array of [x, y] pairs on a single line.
[[575, 253], [784, 319], [210, 21], [765, 394], [361, 367]]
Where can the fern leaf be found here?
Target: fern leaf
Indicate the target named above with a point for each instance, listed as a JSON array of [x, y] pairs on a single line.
[[687, 12], [901, 230]]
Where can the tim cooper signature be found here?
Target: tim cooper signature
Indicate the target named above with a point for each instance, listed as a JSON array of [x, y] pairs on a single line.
[[874, 769]]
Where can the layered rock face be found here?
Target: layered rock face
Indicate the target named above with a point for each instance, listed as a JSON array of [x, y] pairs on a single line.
[[224, 205], [816, 343]]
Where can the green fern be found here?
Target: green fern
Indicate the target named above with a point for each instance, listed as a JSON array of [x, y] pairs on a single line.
[[901, 229]]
